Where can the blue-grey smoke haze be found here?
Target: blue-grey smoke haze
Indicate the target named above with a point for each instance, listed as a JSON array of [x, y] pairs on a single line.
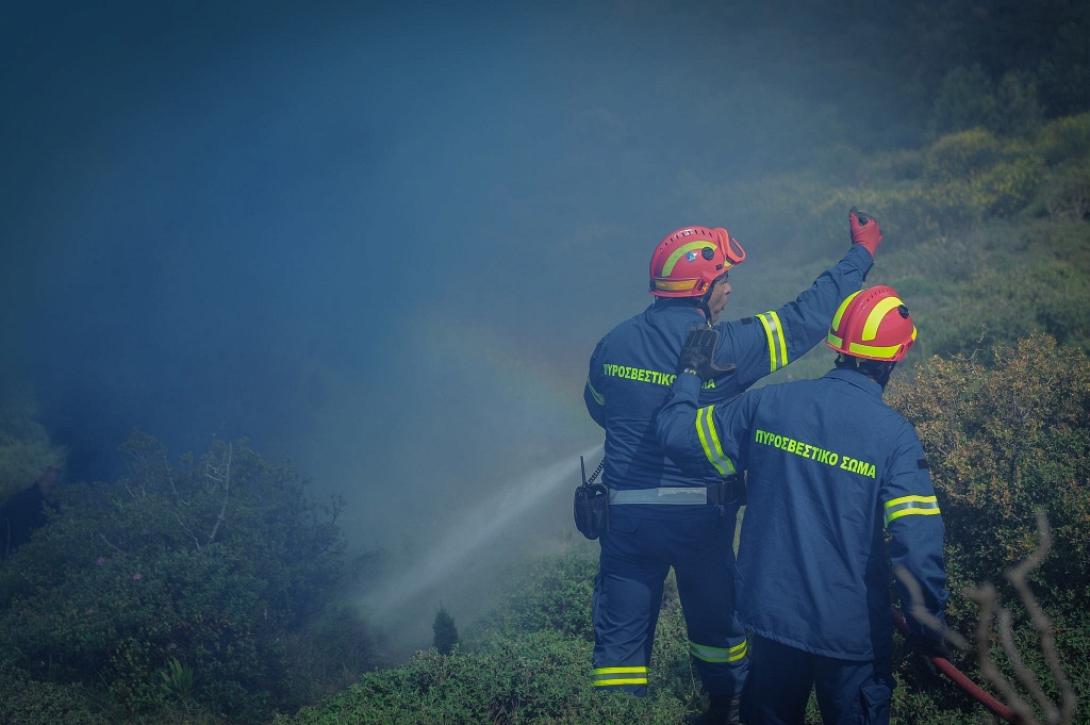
[[378, 239]]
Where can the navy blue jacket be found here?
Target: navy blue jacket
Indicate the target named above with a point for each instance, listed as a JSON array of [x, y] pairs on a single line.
[[633, 366], [830, 469]]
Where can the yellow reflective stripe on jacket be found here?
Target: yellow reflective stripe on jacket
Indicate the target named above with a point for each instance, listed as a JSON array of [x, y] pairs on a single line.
[[777, 344], [607, 676], [598, 397], [707, 653], [783, 338], [709, 440], [911, 506]]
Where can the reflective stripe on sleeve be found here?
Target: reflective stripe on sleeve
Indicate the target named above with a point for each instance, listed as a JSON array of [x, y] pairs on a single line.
[[709, 439], [777, 344], [708, 653], [911, 506], [609, 676], [598, 397]]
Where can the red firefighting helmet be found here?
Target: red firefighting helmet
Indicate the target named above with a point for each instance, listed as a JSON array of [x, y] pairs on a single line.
[[872, 324], [688, 260]]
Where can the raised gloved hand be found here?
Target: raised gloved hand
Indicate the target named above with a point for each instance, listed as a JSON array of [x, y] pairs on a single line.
[[865, 230], [698, 353]]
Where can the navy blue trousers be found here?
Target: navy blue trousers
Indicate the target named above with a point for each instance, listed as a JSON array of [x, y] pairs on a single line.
[[637, 552], [849, 692]]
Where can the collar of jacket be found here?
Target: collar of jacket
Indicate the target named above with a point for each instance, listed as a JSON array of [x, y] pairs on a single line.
[[675, 307], [856, 378]]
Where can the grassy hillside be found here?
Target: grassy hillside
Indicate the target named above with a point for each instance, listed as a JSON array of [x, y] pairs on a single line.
[[1004, 440], [985, 237], [989, 242]]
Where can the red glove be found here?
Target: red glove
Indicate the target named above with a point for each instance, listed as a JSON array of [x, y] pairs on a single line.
[[865, 230]]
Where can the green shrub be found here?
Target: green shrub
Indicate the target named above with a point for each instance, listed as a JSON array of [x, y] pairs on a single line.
[[963, 154], [535, 677], [965, 100], [1004, 441], [1066, 196], [30, 702], [1008, 186], [25, 449], [550, 594], [445, 633], [176, 586], [329, 653], [1019, 111], [1065, 139]]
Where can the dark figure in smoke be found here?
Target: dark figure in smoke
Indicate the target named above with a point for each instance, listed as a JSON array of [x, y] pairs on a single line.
[[26, 511]]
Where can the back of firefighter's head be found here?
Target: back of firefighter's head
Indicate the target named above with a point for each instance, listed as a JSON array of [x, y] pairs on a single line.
[[692, 263], [872, 330]]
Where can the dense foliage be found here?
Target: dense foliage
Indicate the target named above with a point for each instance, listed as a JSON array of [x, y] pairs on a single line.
[[1004, 440], [986, 236], [198, 588], [531, 663], [1004, 437], [25, 449], [444, 632]]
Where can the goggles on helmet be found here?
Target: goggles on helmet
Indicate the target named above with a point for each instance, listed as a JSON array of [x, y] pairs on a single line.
[[688, 260]]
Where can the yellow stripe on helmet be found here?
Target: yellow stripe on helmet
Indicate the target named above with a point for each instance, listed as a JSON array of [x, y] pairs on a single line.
[[672, 285], [875, 352], [840, 310], [874, 319], [680, 252]]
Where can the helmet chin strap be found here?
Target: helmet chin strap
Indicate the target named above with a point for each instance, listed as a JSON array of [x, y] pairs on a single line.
[[704, 301], [707, 310]]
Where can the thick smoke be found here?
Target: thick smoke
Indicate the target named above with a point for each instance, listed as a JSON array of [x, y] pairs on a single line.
[[378, 240]]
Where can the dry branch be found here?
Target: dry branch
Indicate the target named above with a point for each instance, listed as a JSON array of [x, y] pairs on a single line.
[[987, 598], [221, 474], [1018, 577]]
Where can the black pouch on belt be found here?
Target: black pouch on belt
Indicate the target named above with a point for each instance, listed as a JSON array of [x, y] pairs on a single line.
[[731, 491], [591, 507]]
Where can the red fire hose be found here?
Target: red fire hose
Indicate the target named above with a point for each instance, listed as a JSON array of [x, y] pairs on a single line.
[[958, 677]]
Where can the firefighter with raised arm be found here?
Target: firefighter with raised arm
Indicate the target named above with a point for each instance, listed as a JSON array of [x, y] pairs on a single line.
[[831, 471], [659, 515]]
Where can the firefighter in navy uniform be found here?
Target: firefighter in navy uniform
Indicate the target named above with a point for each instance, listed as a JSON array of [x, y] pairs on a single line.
[[659, 516], [832, 470]]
